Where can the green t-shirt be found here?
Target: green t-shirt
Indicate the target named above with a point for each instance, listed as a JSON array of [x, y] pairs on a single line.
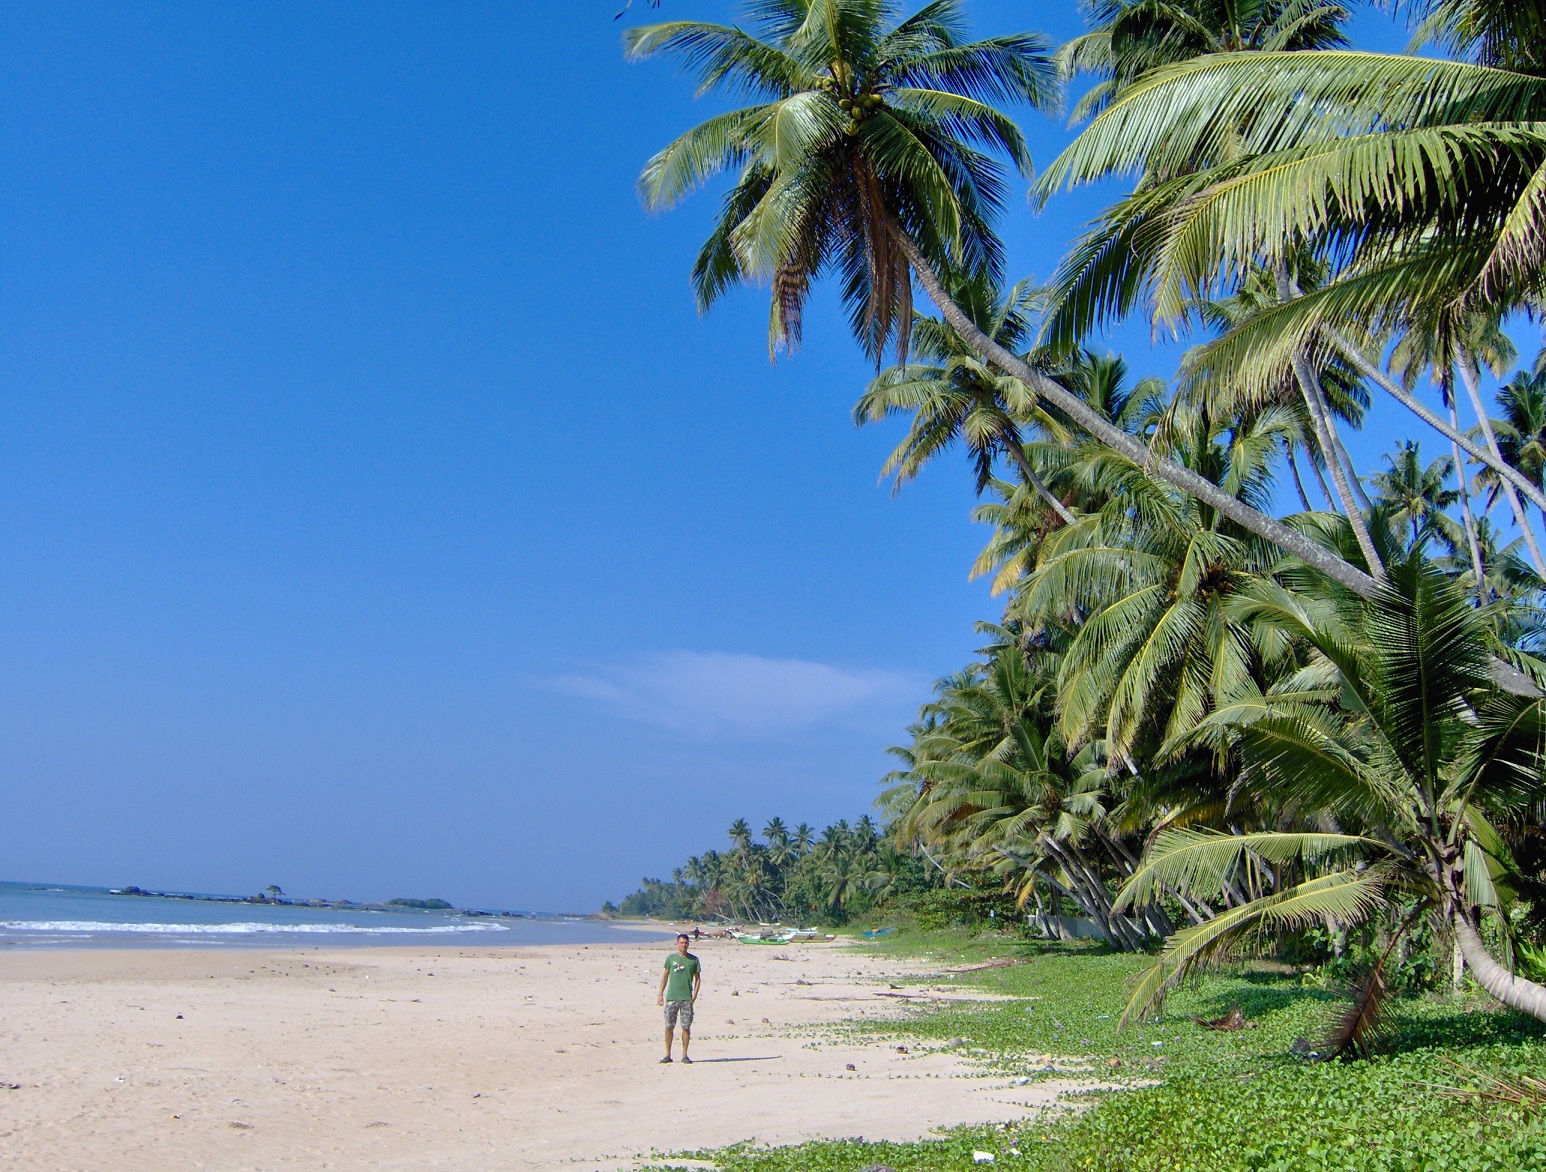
[[682, 970]]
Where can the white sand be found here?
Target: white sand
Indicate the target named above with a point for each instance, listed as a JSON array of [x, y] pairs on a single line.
[[518, 1058]]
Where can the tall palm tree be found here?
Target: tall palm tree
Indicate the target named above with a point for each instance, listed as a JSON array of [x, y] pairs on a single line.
[[863, 159], [1521, 431], [780, 849], [741, 834], [1330, 394], [1415, 496], [1418, 178], [871, 129], [1132, 39], [803, 838], [1409, 748], [1414, 353]]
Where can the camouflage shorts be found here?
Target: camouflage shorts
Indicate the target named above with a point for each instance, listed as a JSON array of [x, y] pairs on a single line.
[[678, 1009]]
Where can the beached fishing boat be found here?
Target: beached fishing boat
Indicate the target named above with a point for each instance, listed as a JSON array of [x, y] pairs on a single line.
[[777, 935]]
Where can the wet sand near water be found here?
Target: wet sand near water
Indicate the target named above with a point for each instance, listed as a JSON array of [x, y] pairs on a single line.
[[453, 1058]]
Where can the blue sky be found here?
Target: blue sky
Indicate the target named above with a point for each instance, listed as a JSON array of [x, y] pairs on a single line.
[[377, 515]]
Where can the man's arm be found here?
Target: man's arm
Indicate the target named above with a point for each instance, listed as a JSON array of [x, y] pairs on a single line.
[[697, 983], [660, 995]]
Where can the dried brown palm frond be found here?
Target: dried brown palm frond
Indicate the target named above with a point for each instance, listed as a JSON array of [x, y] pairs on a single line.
[[1358, 1032], [1522, 1090]]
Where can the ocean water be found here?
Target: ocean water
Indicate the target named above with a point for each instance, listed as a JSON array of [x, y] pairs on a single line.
[[35, 915]]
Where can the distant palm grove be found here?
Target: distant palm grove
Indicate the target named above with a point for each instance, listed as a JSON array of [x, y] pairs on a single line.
[[1243, 694], [793, 874]]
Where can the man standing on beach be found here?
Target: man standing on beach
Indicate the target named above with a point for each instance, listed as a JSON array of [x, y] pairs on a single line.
[[679, 982]]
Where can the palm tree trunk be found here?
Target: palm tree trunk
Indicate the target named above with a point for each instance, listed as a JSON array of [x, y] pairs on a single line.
[[1289, 540], [1326, 439], [1472, 379], [1293, 468], [1091, 895], [1502, 985], [1347, 460], [1374, 374], [1099, 895], [1320, 481], [1463, 483], [1017, 454]]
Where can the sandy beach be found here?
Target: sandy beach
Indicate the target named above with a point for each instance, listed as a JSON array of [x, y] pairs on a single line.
[[459, 1058]]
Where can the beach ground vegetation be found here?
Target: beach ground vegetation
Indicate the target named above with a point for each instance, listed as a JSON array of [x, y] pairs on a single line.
[[1179, 1094]]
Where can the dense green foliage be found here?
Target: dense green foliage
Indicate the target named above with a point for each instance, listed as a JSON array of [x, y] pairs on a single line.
[[1195, 721], [1203, 728]]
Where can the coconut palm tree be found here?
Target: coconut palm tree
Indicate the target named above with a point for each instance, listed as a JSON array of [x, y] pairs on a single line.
[[1329, 396], [740, 835], [871, 129], [780, 850], [1015, 513], [1151, 576], [955, 395], [803, 837], [868, 156], [1250, 158], [1521, 431], [1397, 737], [990, 787], [1502, 33], [1130, 38], [1415, 496]]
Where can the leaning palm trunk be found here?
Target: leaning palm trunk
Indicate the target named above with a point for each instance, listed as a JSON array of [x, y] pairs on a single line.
[[1289, 540], [1083, 886], [1462, 483], [1503, 986], [1326, 438], [1471, 377], [1116, 926], [1033, 478], [1293, 468], [1330, 447], [1320, 480], [1347, 460], [1366, 367]]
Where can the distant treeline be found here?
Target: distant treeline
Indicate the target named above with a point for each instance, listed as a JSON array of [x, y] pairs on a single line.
[[794, 874]]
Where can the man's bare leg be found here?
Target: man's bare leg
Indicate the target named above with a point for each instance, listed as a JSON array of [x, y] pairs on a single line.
[[686, 1037], [669, 1032]]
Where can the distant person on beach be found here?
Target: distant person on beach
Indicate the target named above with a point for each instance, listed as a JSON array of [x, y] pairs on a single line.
[[679, 981]]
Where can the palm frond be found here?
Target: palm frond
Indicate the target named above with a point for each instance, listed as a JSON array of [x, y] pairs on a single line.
[[1197, 861], [1349, 895]]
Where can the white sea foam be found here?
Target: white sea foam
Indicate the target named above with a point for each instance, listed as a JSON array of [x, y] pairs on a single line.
[[239, 929]]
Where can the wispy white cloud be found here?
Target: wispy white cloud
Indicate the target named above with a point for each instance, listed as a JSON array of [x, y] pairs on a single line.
[[719, 694]]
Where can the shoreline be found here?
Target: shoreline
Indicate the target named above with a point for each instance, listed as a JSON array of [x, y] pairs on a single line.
[[458, 1055]]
